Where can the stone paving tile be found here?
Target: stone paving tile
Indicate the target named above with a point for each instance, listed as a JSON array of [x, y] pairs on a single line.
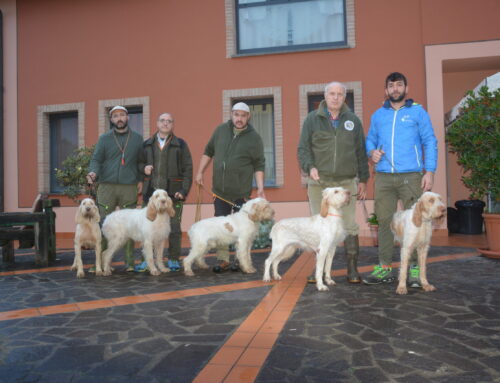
[[377, 336], [142, 342]]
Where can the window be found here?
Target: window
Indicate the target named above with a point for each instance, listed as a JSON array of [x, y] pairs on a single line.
[[262, 112], [63, 141], [60, 130], [265, 105], [289, 25], [134, 118], [138, 114], [313, 100]]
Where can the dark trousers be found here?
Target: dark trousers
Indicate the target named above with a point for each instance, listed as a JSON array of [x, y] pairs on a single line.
[[222, 209]]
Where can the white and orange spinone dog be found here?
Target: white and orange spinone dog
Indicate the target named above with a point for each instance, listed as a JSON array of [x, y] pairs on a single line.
[[320, 233], [412, 228]]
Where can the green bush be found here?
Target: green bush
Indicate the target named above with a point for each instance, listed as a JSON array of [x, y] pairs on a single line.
[[475, 137], [72, 175]]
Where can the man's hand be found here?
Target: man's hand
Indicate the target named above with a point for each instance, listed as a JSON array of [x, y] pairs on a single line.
[[427, 181], [91, 178], [313, 173], [361, 190], [260, 193], [199, 179], [377, 155], [148, 170], [179, 195]]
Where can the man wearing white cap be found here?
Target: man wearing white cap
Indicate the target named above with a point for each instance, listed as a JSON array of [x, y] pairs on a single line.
[[237, 152], [116, 165]]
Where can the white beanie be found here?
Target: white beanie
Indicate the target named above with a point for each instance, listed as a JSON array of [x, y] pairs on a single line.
[[241, 106], [117, 107]]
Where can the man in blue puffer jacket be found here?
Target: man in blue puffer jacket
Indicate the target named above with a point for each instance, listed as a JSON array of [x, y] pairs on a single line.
[[402, 144]]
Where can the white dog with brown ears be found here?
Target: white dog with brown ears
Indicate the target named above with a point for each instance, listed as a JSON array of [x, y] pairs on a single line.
[[320, 233], [239, 228], [88, 235], [150, 225], [412, 228]]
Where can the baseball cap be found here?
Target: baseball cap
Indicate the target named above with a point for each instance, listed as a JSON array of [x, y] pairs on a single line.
[[117, 107], [241, 106]]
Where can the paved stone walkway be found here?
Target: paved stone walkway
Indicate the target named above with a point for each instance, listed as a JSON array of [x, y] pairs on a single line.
[[352, 333]]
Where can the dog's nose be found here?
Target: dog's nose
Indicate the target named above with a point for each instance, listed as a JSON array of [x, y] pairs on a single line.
[[87, 208]]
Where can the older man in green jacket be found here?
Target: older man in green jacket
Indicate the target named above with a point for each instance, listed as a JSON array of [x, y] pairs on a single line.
[[332, 153]]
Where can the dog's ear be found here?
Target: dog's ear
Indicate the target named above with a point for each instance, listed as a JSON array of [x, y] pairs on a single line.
[[417, 213], [324, 207], [151, 211], [97, 216], [79, 217], [170, 208], [254, 214]]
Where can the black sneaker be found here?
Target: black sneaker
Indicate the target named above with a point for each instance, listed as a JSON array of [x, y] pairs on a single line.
[[414, 277], [380, 274]]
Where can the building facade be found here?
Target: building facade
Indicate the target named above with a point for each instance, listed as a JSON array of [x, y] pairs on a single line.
[[65, 63]]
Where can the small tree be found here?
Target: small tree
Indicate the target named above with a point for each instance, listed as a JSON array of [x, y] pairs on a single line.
[[475, 137], [72, 175]]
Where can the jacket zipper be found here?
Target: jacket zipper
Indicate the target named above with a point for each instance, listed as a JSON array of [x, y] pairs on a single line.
[[224, 163], [416, 154], [392, 140]]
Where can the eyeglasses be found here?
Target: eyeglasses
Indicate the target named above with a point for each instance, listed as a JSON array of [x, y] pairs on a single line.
[[167, 121]]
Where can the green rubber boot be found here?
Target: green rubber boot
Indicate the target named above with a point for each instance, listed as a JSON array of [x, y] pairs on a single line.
[[351, 247], [129, 256]]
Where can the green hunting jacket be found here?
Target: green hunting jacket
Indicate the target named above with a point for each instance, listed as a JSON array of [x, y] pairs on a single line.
[[172, 166], [106, 160], [236, 159], [338, 153]]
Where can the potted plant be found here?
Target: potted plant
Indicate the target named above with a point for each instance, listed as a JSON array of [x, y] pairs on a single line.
[[72, 175], [475, 137]]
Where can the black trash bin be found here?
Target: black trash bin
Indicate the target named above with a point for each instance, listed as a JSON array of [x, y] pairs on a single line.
[[470, 216]]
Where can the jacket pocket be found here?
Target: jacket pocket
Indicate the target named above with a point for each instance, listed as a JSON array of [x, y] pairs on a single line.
[[174, 185]]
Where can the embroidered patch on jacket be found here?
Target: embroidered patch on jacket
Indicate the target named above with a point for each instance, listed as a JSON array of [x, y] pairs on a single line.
[[349, 125]]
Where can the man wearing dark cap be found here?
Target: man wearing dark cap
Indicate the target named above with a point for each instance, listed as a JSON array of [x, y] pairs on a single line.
[[238, 154], [116, 165]]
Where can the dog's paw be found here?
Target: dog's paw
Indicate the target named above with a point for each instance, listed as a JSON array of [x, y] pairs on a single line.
[[73, 268], [322, 288], [154, 272], [266, 279], [401, 290], [330, 282], [164, 269], [106, 272], [428, 288], [277, 277], [80, 274], [99, 273], [203, 266], [250, 270], [188, 273]]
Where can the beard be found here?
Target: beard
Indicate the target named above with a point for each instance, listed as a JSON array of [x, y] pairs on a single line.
[[398, 98], [119, 127]]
